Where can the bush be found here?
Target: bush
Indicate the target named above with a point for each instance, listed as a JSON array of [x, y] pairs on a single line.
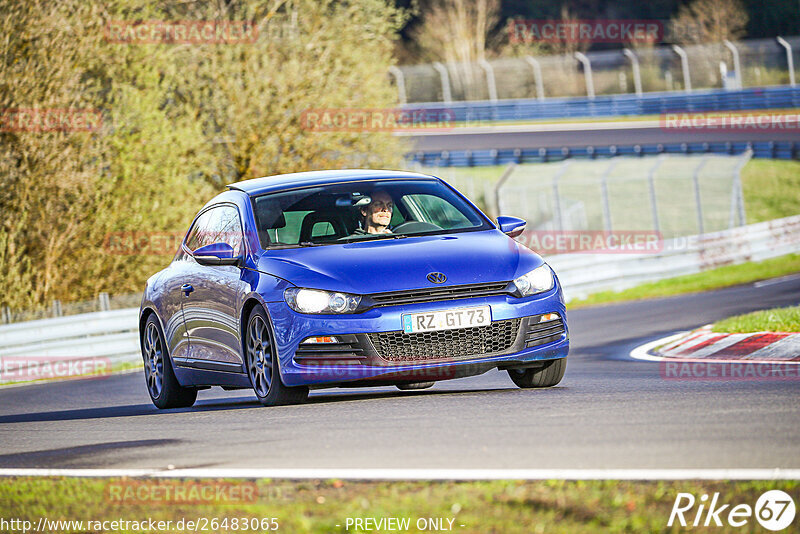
[[179, 121]]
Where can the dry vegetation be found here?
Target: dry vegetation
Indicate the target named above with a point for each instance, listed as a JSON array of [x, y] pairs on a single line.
[[178, 122]]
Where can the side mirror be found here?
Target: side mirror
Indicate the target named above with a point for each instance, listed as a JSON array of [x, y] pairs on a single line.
[[216, 254], [511, 226]]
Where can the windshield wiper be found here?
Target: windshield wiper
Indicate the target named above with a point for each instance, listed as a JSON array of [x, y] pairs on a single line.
[[375, 237], [308, 244]]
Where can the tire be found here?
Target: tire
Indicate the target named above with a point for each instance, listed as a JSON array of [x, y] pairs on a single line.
[[163, 387], [540, 377], [414, 385], [262, 364]]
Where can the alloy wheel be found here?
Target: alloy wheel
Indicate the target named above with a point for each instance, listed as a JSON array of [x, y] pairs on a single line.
[[259, 355], [153, 361]]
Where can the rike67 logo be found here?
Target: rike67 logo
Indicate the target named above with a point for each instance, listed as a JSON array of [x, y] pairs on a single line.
[[774, 510]]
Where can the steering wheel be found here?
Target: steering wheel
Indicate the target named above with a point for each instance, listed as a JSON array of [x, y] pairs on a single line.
[[413, 227]]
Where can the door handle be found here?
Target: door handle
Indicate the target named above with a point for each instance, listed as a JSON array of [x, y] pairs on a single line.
[[187, 288]]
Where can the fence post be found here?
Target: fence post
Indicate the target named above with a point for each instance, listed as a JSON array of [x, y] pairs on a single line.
[[789, 59], [505, 176], [737, 198], [57, 312], [537, 75], [651, 178], [401, 83], [447, 96], [587, 72], [104, 301], [637, 76], [6, 315], [491, 84], [604, 190], [696, 182], [736, 64], [558, 214], [687, 82]]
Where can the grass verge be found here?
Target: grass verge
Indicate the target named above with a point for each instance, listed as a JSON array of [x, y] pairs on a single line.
[[771, 188], [729, 275], [325, 506], [774, 320], [609, 119]]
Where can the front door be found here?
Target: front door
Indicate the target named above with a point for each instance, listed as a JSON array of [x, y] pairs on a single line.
[[211, 309]]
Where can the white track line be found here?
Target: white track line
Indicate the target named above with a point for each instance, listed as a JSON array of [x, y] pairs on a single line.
[[782, 279], [427, 474], [642, 352], [531, 128]]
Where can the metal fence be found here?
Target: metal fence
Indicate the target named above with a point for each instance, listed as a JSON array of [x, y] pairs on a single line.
[[750, 63], [583, 274], [673, 195], [103, 302]]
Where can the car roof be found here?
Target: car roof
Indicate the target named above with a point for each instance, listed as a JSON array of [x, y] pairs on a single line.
[[280, 182]]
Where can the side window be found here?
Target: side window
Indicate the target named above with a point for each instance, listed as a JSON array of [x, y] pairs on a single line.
[[201, 228], [322, 229], [217, 225], [290, 232]]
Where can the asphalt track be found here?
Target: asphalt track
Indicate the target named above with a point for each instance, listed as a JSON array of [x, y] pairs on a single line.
[[580, 135], [610, 412]]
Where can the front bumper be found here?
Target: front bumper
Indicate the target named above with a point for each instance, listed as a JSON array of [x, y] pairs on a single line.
[[375, 333]]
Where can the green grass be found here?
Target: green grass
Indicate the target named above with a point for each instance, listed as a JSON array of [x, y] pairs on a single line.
[[727, 276], [771, 189], [595, 120], [319, 506], [774, 320]]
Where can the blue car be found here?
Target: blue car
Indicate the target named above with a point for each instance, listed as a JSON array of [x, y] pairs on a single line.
[[348, 278]]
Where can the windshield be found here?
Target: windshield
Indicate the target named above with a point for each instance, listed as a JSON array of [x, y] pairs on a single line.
[[357, 211]]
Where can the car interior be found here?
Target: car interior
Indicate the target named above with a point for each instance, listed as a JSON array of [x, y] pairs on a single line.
[[317, 218]]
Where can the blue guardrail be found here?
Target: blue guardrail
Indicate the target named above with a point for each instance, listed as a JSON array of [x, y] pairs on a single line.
[[783, 97], [620, 105]]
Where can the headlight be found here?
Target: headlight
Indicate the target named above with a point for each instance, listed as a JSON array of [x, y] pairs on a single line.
[[538, 280], [317, 301]]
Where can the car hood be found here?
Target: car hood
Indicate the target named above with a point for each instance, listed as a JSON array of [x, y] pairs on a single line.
[[399, 264]]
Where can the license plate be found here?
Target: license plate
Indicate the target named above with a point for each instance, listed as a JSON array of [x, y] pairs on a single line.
[[447, 319]]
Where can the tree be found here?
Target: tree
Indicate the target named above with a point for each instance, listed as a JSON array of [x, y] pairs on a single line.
[[710, 21], [179, 121], [456, 32]]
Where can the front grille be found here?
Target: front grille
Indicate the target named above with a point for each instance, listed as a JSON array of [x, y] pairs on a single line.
[[540, 333], [433, 294], [486, 340]]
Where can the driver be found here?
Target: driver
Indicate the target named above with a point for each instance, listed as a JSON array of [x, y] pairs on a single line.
[[376, 215]]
